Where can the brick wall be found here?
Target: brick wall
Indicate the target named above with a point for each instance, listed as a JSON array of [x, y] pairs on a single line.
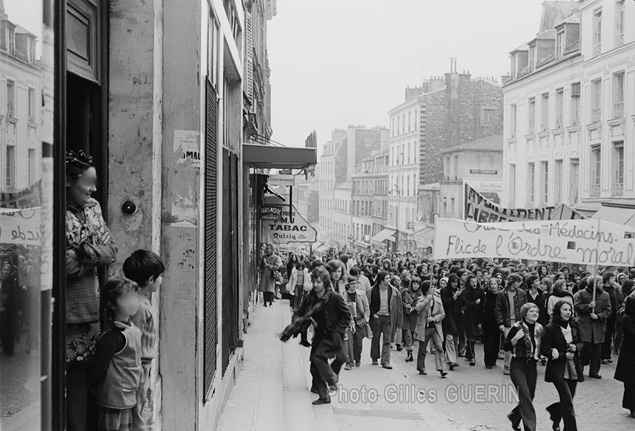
[[455, 116]]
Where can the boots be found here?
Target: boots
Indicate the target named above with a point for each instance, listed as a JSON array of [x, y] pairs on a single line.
[[409, 358]]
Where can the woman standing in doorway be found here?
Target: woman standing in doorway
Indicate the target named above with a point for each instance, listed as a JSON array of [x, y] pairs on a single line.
[[89, 248]]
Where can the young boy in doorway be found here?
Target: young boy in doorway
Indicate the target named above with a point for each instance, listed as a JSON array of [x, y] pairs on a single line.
[[146, 269]]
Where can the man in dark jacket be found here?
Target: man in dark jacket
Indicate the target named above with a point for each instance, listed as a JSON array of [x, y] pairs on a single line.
[[507, 310], [592, 317], [332, 318], [613, 289]]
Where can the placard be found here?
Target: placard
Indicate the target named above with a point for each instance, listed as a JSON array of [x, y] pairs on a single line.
[[589, 241]]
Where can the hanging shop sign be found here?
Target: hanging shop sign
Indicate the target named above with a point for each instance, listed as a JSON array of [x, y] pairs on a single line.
[[481, 209], [291, 227], [589, 241], [270, 213]]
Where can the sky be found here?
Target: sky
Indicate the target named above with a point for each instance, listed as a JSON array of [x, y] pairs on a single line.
[[340, 62]]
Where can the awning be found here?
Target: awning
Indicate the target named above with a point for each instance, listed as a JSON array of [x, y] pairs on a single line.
[[384, 235], [424, 237], [271, 157], [362, 244], [322, 249], [623, 216]]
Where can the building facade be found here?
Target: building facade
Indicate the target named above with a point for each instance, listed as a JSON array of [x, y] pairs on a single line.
[[20, 99], [163, 109], [442, 113], [342, 218], [471, 163], [338, 161], [369, 200], [569, 103]]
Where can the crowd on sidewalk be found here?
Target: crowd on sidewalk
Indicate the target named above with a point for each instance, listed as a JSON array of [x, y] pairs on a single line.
[[564, 318]]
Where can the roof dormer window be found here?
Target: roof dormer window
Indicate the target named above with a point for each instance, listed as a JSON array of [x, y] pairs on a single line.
[[560, 43]]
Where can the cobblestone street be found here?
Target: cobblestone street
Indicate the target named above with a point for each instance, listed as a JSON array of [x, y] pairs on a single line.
[[271, 392]]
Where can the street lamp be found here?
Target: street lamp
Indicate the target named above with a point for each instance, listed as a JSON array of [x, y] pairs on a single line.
[[398, 193]]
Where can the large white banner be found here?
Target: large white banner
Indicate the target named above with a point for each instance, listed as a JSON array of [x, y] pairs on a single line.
[[589, 241]]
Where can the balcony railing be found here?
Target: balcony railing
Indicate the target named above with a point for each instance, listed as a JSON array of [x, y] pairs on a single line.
[[618, 110], [596, 115], [597, 49], [618, 189], [595, 191]]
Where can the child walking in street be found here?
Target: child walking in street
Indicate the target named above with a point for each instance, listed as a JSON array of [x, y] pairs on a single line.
[[116, 372], [145, 268]]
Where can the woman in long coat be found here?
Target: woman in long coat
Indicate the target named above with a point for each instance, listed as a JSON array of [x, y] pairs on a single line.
[[409, 297], [453, 321], [561, 345], [472, 299], [626, 362]]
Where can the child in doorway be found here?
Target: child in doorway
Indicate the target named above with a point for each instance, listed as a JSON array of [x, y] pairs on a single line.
[[116, 370], [146, 269]]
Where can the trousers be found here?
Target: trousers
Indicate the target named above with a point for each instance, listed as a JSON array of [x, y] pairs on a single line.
[[524, 376], [381, 329], [439, 357], [563, 409]]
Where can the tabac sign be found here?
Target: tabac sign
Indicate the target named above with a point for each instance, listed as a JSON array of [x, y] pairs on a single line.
[[290, 227]]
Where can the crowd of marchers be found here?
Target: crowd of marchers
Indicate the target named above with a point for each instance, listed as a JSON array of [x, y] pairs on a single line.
[[562, 317]]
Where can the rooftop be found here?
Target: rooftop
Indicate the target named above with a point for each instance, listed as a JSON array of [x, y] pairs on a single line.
[[554, 12], [490, 143]]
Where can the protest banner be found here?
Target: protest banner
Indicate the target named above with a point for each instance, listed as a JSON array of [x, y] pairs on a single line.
[[589, 241], [481, 209], [20, 227]]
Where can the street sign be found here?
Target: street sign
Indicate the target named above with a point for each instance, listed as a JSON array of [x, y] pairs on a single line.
[[288, 229]]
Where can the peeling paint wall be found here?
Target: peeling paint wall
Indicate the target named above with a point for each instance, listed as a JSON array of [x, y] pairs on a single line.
[[180, 232], [135, 139]]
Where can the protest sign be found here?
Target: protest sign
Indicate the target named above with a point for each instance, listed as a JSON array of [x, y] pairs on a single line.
[[20, 227], [481, 209], [589, 241]]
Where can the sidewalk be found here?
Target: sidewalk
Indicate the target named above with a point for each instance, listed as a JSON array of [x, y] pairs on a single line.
[[271, 391]]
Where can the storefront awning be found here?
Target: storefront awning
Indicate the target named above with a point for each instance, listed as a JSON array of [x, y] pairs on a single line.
[[271, 157], [384, 235], [362, 245], [322, 249], [623, 216], [424, 237]]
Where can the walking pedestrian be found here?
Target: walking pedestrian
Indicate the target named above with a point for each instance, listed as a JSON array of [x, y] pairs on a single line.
[[472, 299], [450, 297], [491, 333], [430, 309], [386, 316], [361, 315], [626, 361], [523, 342], [561, 345], [507, 311], [332, 318], [592, 316]]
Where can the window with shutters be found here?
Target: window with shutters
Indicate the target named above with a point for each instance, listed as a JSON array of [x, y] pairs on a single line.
[[210, 286]]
